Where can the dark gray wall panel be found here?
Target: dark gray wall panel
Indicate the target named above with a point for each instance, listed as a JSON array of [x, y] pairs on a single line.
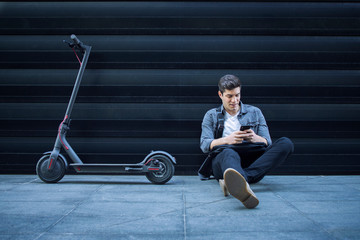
[[196, 18], [192, 52], [153, 72]]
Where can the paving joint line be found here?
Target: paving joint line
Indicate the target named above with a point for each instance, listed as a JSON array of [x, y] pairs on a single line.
[[20, 184], [305, 215], [184, 213], [68, 213]]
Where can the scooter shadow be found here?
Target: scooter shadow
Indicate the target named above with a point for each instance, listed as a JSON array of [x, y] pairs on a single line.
[[106, 182]]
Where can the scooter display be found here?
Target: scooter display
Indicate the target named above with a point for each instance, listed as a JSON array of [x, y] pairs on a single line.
[[158, 166]]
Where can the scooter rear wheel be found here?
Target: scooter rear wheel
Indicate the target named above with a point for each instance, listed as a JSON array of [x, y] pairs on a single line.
[[166, 171], [50, 176]]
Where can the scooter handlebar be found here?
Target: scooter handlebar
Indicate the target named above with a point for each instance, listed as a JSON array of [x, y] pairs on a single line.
[[76, 41]]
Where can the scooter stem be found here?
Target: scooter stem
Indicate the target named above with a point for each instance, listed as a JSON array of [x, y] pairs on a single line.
[[74, 93], [65, 124]]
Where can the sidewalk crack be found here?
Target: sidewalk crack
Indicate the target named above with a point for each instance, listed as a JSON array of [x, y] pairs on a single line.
[[184, 214], [67, 214]]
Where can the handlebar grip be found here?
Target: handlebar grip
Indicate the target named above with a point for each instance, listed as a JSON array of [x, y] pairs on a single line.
[[76, 40]]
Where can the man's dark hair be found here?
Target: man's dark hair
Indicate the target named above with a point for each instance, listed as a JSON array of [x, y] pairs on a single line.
[[228, 82]]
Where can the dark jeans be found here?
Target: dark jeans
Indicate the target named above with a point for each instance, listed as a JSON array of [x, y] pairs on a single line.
[[253, 166]]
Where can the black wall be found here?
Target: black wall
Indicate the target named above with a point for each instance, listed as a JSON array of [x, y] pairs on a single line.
[[153, 72]]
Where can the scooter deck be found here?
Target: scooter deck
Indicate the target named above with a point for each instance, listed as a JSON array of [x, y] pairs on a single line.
[[110, 168]]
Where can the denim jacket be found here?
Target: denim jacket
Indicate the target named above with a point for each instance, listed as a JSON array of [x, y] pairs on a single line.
[[248, 116]]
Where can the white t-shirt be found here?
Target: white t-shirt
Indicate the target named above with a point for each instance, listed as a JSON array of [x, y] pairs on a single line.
[[231, 124]]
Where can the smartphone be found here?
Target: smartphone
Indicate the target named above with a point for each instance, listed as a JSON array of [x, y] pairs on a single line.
[[243, 128]]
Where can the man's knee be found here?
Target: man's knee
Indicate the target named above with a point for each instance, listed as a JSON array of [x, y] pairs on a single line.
[[286, 144]]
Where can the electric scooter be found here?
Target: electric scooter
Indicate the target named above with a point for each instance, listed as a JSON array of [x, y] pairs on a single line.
[[158, 166]]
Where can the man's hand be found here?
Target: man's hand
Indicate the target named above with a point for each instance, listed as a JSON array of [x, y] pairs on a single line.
[[235, 138], [250, 136]]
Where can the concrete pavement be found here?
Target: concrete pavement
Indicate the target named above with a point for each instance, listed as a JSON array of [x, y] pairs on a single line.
[[129, 207]]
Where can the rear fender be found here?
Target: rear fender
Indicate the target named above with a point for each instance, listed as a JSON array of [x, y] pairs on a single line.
[[153, 153]]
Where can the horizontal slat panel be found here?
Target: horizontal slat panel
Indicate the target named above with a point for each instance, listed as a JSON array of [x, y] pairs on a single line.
[[286, 9], [184, 146], [173, 145], [94, 111], [187, 52], [181, 18], [180, 94], [52, 46], [179, 91], [178, 77], [170, 128], [121, 25]]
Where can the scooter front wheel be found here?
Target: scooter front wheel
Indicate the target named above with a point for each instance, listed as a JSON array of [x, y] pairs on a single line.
[[166, 170], [50, 176]]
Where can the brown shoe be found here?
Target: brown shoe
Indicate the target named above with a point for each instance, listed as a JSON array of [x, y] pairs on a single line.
[[223, 187], [239, 188]]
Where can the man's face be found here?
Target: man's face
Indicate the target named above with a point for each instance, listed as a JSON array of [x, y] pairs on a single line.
[[231, 100]]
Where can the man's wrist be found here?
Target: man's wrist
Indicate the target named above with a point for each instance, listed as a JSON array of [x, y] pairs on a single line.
[[261, 139], [219, 141]]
